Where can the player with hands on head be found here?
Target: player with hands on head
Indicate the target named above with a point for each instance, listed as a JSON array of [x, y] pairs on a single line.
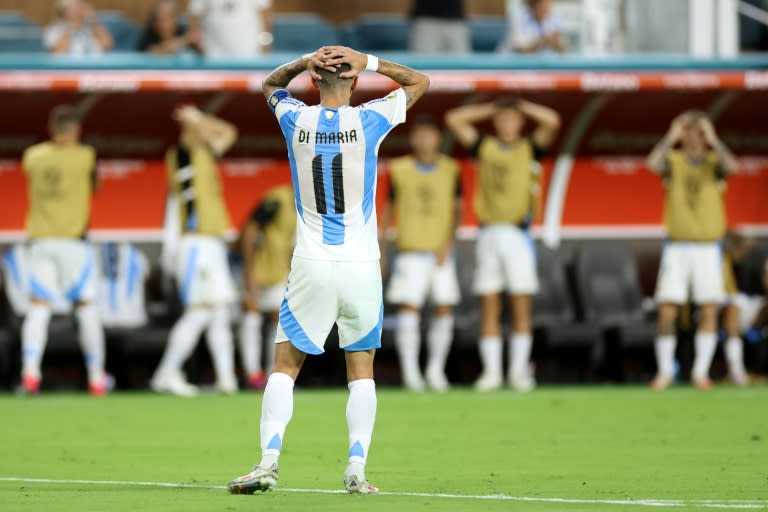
[[694, 217], [425, 198], [335, 276], [202, 268], [507, 199]]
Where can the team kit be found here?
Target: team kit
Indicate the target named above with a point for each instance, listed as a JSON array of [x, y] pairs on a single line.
[[323, 233]]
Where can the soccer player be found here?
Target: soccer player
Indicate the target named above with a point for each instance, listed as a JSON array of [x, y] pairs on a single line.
[[506, 202], [202, 269], [61, 177], [738, 311], [694, 216], [425, 196], [267, 246], [335, 275]]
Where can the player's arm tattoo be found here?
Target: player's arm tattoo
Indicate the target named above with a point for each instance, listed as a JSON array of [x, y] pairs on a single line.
[[414, 84], [282, 76]]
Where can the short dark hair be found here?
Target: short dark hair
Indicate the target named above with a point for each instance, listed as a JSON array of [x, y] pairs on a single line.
[[62, 116], [425, 120], [508, 103], [332, 79]]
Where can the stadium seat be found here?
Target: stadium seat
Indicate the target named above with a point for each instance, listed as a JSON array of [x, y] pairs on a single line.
[[348, 35], [609, 291], [553, 310], [301, 33], [125, 32], [383, 32], [14, 19], [487, 32], [751, 270], [21, 38]]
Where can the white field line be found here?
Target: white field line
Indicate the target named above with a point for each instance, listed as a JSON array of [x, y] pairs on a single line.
[[661, 503]]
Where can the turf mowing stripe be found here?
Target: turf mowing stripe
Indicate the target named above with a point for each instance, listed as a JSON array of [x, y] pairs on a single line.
[[660, 503]]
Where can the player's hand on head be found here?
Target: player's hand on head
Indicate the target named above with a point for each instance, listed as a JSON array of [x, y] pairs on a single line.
[[318, 60], [708, 129], [677, 126], [187, 114], [336, 55]]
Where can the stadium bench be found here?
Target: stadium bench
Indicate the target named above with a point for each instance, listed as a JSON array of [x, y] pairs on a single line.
[[301, 32]]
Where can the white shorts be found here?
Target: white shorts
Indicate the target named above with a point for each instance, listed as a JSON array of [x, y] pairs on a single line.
[[505, 261], [271, 297], [691, 271], [62, 267], [321, 293], [749, 308], [202, 271], [416, 276]]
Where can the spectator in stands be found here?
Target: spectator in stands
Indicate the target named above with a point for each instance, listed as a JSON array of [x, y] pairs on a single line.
[[425, 197], [239, 29], [164, 33], [267, 247], [507, 200], [76, 31], [534, 29], [61, 177], [202, 268], [439, 27], [694, 216]]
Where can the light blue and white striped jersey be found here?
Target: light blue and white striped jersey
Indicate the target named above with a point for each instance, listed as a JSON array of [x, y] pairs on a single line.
[[333, 155]]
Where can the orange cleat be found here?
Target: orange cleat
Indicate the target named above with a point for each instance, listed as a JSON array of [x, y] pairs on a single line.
[[257, 380], [704, 384], [661, 382], [101, 387]]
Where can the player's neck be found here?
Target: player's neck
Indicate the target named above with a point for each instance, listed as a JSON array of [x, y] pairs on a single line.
[[334, 99], [425, 158], [64, 140], [694, 153]]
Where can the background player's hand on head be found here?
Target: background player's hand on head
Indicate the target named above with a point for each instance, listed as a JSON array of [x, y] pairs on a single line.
[[187, 114], [708, 129], [678, 125]]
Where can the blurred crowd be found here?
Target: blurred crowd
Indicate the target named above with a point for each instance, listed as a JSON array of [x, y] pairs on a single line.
[[248, 28]]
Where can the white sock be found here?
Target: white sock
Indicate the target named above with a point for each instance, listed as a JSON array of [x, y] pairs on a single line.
[[734, 356], [276, 412], [439, 340], [665, 355], [183, 338], [361, 416], [490, 355], [270, 355], [250, 342], [705, 344], [91, 335], [520, 354], [408, 342], [34, 335], [219, 338]]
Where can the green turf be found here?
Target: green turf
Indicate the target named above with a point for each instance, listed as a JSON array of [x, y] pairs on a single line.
[[581, 443]]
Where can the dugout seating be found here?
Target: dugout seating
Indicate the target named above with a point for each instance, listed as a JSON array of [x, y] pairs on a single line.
[[487, 32], [751, 270], [298, 32], [383, 32], [125, 33], [609, 291]]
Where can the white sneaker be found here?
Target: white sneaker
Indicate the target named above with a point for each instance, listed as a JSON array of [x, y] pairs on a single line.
[[413, 382], [355, 481], [739, 378], [227, 385], [436, 379], [260, 479], [488, 382], [174, 383]]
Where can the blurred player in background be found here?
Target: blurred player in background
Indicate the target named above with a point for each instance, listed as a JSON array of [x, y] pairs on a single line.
[[507, 199], [738, 309], [694, 216], [61, 176], [202, 270], [425, 197], [335, 274], [267, 246]]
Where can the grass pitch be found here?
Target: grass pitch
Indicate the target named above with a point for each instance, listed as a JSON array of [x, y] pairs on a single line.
[[563, 449]]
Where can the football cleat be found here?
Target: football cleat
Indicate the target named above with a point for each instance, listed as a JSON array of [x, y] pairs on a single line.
[[102, 386], [740, 379], [260, 479], [661, 382], [257, 380], [704, 384], [488, 382], [227, 385], [436, 379], [413, 382], [30, 385], [174, 383], [355, 485], [522, 383]]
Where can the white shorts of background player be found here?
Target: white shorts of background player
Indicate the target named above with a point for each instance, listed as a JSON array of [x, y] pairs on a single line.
[[691, 271], [62, 267], [505, 261], [202, 271], [417, 277]]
